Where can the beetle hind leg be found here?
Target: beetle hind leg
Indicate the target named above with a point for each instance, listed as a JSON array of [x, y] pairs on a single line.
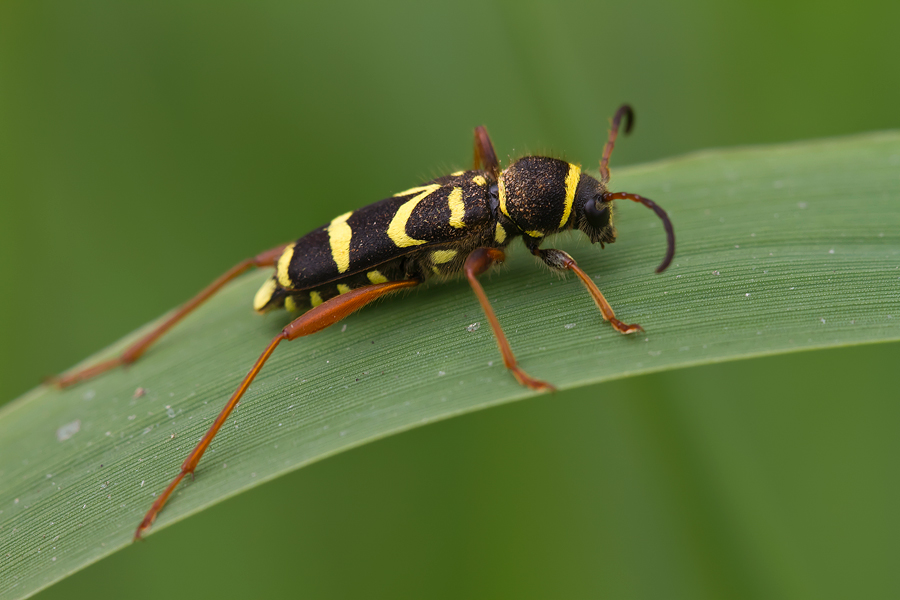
[[316, 319], [134, 352]]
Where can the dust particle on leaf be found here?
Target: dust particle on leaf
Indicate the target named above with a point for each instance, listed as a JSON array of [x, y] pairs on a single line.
[[68, 430]]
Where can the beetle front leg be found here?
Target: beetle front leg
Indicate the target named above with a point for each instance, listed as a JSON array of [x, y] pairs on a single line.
[[561, 261]]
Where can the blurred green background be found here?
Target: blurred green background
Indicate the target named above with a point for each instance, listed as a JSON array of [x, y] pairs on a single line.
[[146, 147]]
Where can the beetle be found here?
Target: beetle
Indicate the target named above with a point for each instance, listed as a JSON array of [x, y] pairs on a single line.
[[457, 224]]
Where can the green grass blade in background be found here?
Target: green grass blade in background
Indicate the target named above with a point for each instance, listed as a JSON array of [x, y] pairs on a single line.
[[779, 249]]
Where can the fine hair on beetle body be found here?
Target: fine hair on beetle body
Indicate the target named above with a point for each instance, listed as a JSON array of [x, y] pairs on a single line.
[[456, 224]]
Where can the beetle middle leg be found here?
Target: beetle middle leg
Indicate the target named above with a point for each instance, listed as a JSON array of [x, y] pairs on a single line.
[[561, 261], [485, 157], [479, 261]]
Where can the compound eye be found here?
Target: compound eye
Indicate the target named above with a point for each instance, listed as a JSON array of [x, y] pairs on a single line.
[[597, 213]]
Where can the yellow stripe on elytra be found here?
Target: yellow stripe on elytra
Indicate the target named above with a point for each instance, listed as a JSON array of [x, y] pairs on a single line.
[[571, 185], [264, 294], [479, 180], [457, 173], [397, 229], [343, 288], [440, 257], [281, 270], [500, 233], [535, 234], [415, 190], [339, 234], [290, 304], [376, 277], [501, 192], [457, 208], [315, 299]]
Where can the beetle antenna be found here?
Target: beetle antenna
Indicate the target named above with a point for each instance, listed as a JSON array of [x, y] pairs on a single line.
[[624, 111], [670, 233]]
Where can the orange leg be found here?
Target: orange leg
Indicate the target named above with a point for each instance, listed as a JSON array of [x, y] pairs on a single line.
[[477, 263], [314, 320], [559, 260], [485, 157], [266, 259]]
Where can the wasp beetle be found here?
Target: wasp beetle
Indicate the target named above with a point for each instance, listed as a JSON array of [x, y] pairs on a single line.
[[455, 224]]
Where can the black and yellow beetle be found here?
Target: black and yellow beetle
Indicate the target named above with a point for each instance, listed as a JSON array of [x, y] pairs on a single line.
[[458, 223]]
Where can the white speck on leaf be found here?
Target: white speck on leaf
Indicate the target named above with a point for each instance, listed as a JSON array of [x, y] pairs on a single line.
[[569, 325], [473, 327], [68, 430]]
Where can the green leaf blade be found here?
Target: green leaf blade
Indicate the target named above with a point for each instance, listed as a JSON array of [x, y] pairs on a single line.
[[780, 249]]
